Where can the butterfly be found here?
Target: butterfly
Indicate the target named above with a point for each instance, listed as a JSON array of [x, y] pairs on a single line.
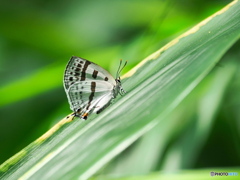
[[89, 87]]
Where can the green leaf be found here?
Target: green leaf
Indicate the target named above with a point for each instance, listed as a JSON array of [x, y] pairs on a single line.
[[187, 148], [189, 125], [155, 87]]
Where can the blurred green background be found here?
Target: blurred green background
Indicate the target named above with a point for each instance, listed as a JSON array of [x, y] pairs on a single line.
[[37, 38]]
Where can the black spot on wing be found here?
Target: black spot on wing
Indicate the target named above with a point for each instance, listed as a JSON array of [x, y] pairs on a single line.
[[85, 116], [106, 79], [94, 75], [93, 88], [83, 74]]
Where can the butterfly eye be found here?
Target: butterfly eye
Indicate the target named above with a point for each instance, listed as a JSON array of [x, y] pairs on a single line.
[[118, 80]]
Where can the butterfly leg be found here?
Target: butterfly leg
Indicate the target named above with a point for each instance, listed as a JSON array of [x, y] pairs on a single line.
[[122, 92], [70, 115]]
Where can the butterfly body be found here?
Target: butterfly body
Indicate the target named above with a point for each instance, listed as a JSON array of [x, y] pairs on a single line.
[[89, 87]]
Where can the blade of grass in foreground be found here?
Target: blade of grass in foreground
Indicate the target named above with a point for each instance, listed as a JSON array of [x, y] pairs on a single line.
[[155, 88], [186, 149], [189, 124]]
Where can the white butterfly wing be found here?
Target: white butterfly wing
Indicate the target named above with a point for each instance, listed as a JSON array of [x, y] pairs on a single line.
[[79, 69], [103, 102], [89, 96]]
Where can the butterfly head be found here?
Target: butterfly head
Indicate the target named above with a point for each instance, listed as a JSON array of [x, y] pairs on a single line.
[[119, 88]]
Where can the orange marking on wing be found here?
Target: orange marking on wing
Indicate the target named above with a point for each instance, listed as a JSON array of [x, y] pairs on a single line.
[[85, 114]]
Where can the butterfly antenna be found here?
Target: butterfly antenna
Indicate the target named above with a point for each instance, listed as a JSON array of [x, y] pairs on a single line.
[[119, 68], [123, 67]]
